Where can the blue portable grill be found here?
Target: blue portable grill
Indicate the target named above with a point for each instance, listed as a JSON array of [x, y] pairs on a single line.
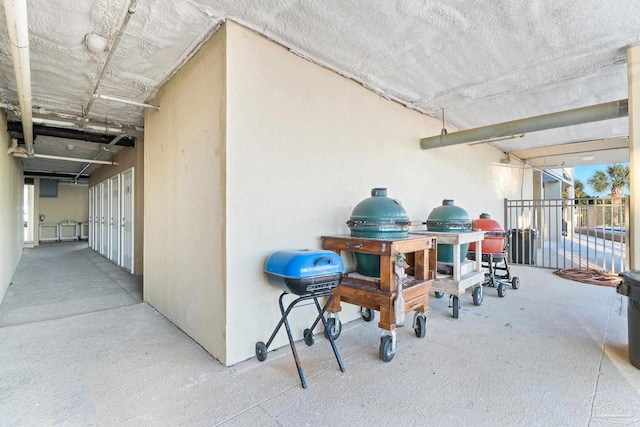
[[310, 274]]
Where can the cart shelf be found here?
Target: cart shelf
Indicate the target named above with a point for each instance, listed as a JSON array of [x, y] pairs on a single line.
[[463, 274], [380, 293]]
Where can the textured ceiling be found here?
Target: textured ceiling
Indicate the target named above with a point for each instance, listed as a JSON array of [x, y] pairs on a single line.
[[484, 62]]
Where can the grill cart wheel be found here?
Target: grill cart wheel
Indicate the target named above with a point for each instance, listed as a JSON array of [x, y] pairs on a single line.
[[333, 327], [421, 326], [515, 283], [439, 294], [501, 290], [456, 307], [367, 314], [308, 337], [261, 351], [477, 295], [386, 348]]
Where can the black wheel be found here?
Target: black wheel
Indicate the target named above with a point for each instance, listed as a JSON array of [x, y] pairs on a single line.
[[421, 326], [261, 351], [386, 349], [501, 290], [478, 296], [367, 314], [308, 337], [515, 283], [334, 327], [456, 307], [438, 294]]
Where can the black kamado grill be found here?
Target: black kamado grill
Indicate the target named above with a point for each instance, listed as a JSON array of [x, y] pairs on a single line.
[[310, 274]]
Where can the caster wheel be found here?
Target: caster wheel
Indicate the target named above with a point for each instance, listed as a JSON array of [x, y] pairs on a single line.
[[261, 351], [386, 349], [515, 283], [308, 337], [477, 295], [367, 314], [439, 294], [421, 326], [456, 307], [501, 290], [334, 328]]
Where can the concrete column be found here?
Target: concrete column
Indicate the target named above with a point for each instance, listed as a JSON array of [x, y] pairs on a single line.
[[633, 232], [553, 190]]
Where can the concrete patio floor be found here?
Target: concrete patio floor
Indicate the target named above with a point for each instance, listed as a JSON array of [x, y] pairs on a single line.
[[79, 347]]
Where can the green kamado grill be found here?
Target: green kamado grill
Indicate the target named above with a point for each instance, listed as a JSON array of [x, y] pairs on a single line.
[[449, 218], [377, 217]]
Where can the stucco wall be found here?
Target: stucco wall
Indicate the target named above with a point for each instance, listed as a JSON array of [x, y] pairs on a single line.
[[131, 157], [71, 204], [255, 150], [11, 222], [304, 146], [184, 218]]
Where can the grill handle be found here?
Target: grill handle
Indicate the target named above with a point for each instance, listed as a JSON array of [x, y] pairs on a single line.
[[323, 260]]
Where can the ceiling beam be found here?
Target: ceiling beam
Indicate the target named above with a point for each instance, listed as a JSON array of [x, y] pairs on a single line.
[[593, 113], [125, 141], [64, 175]]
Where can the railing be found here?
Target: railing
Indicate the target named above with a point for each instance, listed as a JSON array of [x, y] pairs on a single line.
[[568, 233]]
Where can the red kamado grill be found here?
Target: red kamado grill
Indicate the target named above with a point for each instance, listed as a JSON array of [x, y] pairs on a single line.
[[494, 254], [310, 274]]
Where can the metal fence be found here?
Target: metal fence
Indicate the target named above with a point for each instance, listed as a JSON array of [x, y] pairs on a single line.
[[568, 233]]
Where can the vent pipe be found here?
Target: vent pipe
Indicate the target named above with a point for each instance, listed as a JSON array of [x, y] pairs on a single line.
[[594, 113], [17, 25]]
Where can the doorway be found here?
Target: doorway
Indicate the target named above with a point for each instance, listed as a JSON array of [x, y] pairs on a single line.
[[27, 214]]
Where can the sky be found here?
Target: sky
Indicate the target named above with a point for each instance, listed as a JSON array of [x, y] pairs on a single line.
[[583, 173]]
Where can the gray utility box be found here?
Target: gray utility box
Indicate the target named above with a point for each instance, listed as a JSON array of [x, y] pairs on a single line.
[[630, 287]]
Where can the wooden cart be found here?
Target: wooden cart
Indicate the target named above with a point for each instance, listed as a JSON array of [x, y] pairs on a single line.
[[462, 274], [380, 293]]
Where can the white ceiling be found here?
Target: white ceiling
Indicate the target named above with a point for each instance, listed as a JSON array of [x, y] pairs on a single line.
[[484, 62]]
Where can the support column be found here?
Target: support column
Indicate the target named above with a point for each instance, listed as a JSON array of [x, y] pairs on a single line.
[[633, 231]]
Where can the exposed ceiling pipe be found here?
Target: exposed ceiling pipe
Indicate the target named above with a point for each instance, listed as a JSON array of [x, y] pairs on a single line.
[[127, 101], [594, 113], [112, 143], [130, 11], [67, 159], [18, 27]]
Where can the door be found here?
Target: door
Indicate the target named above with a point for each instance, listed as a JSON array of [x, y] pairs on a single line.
[[114, 219], [127, 224], [90, 217], [97, 205], [104, 219]]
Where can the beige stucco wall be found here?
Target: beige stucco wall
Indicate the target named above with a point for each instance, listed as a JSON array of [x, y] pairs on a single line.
[[130, 157], [184, 218], [71, 204], [255, 150], [304, 146], [11, 222]]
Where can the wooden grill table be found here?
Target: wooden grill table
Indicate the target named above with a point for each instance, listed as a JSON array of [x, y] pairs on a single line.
[[463, 275], [380, 293]]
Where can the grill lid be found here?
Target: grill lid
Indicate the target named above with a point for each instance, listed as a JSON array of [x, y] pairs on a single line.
[[448, 217], [304, 263], [379, 213]]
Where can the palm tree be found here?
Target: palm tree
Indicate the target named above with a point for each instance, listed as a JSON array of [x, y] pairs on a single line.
[[578, 190], [616, 179]]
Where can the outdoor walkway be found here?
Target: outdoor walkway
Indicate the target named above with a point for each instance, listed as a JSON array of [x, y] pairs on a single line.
[[553, 353]]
